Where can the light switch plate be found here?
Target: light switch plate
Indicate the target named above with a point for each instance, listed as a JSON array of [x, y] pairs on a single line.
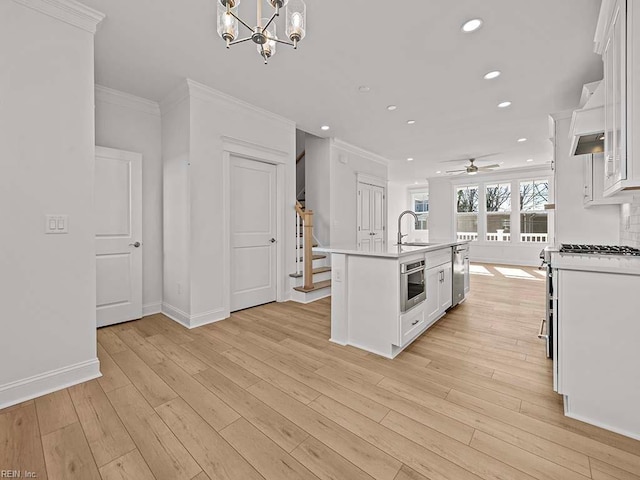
[[56, 224]]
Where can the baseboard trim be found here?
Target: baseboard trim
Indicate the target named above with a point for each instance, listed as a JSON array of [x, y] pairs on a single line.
[[206, 318], [634, 435], [175, 314], [151, 309], [48, 382], [193, 321]]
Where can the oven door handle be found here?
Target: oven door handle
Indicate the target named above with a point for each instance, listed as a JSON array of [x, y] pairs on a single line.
[[542, 335]]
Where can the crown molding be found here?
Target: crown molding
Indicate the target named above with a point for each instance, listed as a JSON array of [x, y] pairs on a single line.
[[203, 92], [126, 100], [69, 11], [341, 144]]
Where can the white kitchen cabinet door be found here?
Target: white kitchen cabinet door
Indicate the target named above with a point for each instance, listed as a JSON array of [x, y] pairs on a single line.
[[446, 287], [432, 304], [118, 223]]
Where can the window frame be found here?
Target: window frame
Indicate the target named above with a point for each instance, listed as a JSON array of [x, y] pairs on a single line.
[[457, 188], [505, 237]]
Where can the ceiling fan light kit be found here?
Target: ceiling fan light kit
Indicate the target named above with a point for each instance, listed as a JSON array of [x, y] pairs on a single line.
[[264, 34]]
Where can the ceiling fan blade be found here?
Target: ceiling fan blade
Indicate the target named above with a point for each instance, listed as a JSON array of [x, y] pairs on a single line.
[[489, 167], [466, 159], [486, 156], [456, 171]]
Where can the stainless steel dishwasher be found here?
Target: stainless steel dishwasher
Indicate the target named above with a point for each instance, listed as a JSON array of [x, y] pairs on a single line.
[[460, 284]]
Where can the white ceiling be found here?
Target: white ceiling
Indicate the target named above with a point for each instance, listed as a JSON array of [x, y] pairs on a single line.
[[410, 53]]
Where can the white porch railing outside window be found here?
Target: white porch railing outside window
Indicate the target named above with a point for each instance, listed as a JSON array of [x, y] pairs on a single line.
[[467, 236], [498, 237], [534, 237], [506, 237]]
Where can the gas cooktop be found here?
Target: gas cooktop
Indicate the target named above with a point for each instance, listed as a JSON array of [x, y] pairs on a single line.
[[599, 250]]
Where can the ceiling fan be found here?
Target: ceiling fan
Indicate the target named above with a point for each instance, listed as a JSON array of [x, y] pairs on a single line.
[[472, 168]]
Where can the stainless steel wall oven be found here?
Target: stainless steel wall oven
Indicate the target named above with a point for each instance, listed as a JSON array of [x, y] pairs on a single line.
[[412, 284]]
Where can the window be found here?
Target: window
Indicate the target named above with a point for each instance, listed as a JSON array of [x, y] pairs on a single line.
[[534, 225], [467, 212], [498, 202], [420, 203]]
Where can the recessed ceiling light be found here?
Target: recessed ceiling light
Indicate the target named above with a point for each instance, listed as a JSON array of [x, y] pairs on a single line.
[[529, 160], [492, 75], [364, 89], [438, 171], [391, 108], [411, 122], [415, 183], [504, 104], [325, 127], [520, 140], [410, 159], [472, 25]]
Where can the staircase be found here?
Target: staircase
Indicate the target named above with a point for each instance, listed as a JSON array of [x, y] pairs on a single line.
[[312, 279]]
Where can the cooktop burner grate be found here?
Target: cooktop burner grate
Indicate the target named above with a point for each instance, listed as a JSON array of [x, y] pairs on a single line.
[[600, 250]]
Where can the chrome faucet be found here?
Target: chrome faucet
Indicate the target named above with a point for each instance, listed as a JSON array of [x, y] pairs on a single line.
[[406, 212]]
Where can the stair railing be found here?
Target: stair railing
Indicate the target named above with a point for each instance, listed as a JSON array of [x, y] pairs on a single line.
[[304, 225]]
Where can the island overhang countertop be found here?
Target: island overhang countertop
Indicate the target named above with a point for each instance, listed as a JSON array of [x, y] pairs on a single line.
[[389, 250]]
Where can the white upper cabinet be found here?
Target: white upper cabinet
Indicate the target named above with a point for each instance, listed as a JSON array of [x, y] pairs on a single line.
[[618, 33]]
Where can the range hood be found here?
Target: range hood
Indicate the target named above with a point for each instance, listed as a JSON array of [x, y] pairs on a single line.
[[587, 124]]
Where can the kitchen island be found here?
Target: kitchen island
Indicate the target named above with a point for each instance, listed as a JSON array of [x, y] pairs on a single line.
[[383, 299]]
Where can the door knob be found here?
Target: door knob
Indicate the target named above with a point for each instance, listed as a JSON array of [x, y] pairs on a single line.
[[137, 244], [273, 240]]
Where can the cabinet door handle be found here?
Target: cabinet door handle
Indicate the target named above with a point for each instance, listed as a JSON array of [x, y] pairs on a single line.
[[415, 323]]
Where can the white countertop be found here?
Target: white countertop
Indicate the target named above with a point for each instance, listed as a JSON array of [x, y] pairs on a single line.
[[388, 250], [619, 264]]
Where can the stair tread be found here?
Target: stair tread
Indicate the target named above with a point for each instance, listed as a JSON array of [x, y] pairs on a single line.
[[315, 272], [316, 286], [321, 270], [315, 257]]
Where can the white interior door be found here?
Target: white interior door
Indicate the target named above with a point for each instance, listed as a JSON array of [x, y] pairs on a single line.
[[371, 224], [118, 222], [253, 233]]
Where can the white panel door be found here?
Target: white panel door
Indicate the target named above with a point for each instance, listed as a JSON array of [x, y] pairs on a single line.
[[371, 235], [253, 233], [118, 223]]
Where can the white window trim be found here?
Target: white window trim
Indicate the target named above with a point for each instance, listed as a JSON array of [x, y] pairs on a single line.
[[410, 193], [515, 209]]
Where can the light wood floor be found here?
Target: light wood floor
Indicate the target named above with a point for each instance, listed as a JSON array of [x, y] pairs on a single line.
[[265, 395]]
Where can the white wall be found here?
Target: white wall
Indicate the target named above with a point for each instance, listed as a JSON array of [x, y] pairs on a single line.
[[318, 185], [195, 179], [332, 186], [48, 282], [176, 296], [574, 223], [131, 123], [347, 162]]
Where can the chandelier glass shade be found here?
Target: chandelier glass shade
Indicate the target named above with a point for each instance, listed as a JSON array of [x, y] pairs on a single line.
[[264, 34]]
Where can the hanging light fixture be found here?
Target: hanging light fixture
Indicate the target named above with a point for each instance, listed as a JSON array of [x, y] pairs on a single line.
[[264, 34]]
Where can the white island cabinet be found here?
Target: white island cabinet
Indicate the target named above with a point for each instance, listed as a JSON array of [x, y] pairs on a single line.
[[366, 305]]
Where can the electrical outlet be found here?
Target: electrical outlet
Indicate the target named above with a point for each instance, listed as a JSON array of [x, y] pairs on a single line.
[[338, 275]]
